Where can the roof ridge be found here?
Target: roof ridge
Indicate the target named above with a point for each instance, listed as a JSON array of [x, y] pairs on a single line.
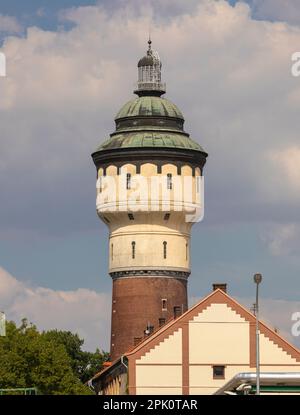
[[166, 326], [264, 328]]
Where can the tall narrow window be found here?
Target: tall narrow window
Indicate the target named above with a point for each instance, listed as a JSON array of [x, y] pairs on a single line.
[[164, 304], [133, 249], [161, 321], [100, 184], [112, 251], [186, 251], [169, 181], [128, 181], [198, 178], [165, 249], [177, 311], [137, 340]]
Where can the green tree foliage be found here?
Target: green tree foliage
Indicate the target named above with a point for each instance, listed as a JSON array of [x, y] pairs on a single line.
[[84, 364], [51, 361]]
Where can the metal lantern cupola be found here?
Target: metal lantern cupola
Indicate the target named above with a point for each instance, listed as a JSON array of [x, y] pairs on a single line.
[[149, 74]]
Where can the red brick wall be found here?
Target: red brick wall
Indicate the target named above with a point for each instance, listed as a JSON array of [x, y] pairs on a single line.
[[137, 301]]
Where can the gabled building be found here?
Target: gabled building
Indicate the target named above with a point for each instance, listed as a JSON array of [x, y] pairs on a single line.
[[198, 352]]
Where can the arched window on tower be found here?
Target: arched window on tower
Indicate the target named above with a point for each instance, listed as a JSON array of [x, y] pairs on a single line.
[[133, 249], [165, 249], [128, 181], [186, 251], [169, 181], [112, 251], [198, 183]]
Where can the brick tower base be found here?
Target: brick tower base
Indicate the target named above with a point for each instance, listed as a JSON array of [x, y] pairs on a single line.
[[140, 302]]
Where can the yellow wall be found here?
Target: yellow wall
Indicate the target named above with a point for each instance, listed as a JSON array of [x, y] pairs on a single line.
[[159, 390], [160, 375], [149, 229], [270, 353], [169, 351], [218, 335]]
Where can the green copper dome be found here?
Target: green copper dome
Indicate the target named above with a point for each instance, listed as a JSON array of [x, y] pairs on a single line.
[[149, 121], [149, 106], [150, 139]]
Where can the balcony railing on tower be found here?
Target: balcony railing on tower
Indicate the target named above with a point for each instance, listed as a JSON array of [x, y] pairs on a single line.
[[150, 86]]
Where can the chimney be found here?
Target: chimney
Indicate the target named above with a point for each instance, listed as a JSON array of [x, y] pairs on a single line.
[[220, 286]]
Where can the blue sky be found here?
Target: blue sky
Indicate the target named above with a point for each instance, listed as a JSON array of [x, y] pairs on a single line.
[[38, 12], [245, 116], [44, 13]]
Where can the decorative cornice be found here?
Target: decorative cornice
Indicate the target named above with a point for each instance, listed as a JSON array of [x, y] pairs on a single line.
[[141, 155], [141, 273]]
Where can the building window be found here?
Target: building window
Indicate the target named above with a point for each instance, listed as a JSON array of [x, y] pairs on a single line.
[[100, 184], [128, 181], [137, 340], [161, 321], [169, 181], [219, 372], [198, 178], [133, 249], [186, 251], [149, 330], [112, 251], [177, 311], [165, 249], [130, 216], [167, 216], [164, 304]]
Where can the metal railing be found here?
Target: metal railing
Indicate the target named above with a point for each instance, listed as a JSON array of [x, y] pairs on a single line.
[[150, 86]]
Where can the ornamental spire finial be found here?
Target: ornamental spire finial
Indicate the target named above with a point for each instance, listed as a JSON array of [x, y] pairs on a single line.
[[149, 45], [149, 74]]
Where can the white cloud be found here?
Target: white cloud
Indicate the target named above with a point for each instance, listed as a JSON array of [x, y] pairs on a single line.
[[283, 239], [88, 312], [289, 161], [9, 24], [284, 10], [230, 74], [81, 311]]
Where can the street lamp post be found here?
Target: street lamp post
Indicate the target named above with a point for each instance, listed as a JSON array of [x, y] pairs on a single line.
[[257, 280]]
